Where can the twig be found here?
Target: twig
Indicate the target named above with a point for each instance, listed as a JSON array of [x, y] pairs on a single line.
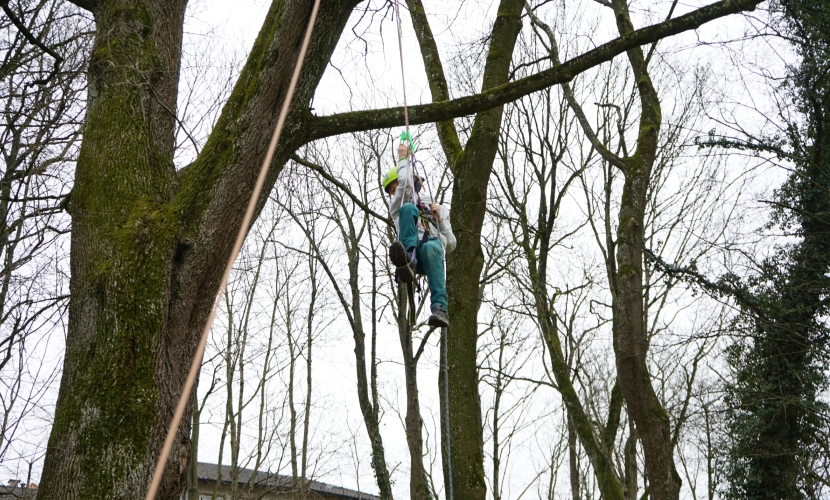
[[4, 4]]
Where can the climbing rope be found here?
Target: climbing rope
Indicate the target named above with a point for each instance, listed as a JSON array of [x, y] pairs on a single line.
[[196, 364], [403, 76], [407, 136], [414, 164], [444, 341]]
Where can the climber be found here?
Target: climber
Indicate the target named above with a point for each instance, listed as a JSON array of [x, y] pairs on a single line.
[[424, 233]]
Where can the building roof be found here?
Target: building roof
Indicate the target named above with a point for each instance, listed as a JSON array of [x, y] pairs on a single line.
[[208, 472], [16, 493]]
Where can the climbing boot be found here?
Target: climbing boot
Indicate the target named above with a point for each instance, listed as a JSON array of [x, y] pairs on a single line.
[[403, 261], [439, 317]]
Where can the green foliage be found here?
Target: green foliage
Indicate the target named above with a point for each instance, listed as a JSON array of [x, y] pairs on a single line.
[[776, 416]]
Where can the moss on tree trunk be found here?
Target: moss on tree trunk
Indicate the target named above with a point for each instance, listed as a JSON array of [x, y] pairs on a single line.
[[629, 328], [472, 170], [149, 244]]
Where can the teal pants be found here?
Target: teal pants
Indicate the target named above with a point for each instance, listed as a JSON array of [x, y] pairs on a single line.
[[430, 254]]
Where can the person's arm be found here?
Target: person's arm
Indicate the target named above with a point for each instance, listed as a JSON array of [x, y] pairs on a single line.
[[445, 230], [405, 182]]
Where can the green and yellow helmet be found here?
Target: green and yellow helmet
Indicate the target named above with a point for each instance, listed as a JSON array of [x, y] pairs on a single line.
[[391, 175]]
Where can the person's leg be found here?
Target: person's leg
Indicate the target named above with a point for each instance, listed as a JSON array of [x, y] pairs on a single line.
[[403, 252], [408, 226], [431, 261]]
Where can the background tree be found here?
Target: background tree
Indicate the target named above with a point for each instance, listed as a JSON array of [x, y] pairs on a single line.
[[777, 418], [348, 219], [43, 46]]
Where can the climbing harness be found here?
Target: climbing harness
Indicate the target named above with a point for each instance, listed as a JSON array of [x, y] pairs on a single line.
[[196, 364]]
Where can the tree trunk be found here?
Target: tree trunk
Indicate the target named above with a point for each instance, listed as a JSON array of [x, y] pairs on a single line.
[[369, 407], [471, 167], [573, 461], [149, 244], [123, 242], [629, 328], [599, 449]]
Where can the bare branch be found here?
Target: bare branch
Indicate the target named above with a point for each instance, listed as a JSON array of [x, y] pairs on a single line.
[[447, 133], [606, 153], [344, 188], [327, 126], [4, 4]]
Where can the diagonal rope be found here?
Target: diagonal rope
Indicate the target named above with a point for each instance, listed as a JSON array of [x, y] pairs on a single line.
[[195, 366]]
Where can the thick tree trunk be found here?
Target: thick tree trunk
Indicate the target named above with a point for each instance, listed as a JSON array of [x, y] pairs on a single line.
[[149, 244], [469, 200], [123, 242]]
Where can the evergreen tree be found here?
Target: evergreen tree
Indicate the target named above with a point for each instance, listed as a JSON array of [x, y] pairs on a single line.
[[776, 416]]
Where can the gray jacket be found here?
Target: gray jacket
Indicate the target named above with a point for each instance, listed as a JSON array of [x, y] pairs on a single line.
[[403, 195]]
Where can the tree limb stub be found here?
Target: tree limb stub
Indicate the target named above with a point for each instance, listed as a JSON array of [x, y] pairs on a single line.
[[356, 121], [89, 5]]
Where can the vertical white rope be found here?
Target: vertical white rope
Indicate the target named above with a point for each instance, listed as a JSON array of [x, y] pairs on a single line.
[[196, 364], [445, 341], [410, 156], [403, 76], [412, 161]]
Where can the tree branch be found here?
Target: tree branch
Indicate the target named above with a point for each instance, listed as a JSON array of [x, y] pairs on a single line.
[[4, 4], [344, 188], [423, 344], [728, 285], [553, 49], [327, 126], [447, 133]]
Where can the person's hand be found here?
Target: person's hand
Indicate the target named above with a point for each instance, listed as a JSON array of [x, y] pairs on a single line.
[[403, 151], [436, 212]]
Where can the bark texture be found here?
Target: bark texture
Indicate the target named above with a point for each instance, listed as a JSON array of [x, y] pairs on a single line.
[[149, 243], [472, 170]]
